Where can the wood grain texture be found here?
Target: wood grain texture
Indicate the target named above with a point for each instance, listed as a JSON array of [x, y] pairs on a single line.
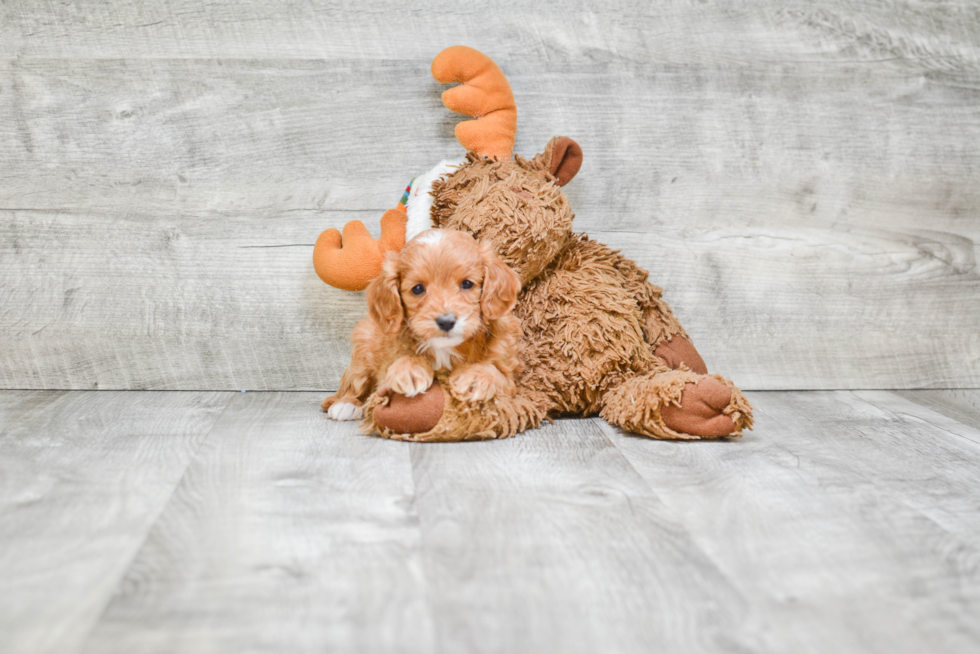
[[802, 178], [940, 33], [195, 522], [144, 302], [937, 413], [550, 542], [881, 144], [841, 512], [823, 307], [289, 533], [962, 405], [83, 477]]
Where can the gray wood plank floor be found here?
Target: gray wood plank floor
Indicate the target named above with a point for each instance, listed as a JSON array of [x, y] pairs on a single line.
[[83, 477], [228, 522]]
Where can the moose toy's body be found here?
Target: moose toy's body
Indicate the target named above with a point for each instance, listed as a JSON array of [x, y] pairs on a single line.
[[597, 337]]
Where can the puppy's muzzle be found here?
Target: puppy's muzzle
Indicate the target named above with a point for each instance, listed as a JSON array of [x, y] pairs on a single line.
[[446, 321]]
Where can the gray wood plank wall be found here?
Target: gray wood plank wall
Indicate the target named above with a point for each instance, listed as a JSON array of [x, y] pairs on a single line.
[[802, 177]]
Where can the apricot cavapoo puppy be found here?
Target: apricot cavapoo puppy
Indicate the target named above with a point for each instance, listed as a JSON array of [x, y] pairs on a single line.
[[443, 302]]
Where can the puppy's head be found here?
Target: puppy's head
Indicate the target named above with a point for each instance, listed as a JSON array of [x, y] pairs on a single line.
[[445, 285]]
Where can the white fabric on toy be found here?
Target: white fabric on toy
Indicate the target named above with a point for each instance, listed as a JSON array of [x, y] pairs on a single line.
[[419, 204]]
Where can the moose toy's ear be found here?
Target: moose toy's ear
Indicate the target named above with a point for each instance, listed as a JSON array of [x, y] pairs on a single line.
[[566, 158]]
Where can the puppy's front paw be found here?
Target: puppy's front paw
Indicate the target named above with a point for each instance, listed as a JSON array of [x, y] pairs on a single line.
[[409, 376], [478, 382], [345, 411]]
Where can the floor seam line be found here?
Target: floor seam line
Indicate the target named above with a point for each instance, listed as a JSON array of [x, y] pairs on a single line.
[[163, 507], [676, 517]]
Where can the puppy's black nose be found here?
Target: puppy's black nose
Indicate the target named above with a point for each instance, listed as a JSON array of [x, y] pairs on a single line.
[[446, 321]]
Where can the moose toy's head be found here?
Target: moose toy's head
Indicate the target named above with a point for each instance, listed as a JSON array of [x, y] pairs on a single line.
[[515, 205]]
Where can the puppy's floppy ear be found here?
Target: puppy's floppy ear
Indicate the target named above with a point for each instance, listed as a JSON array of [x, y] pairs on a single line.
[[500, 285], [384, 297]]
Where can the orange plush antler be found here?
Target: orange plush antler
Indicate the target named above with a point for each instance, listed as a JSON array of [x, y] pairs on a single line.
[[352, 261], [484, 94]]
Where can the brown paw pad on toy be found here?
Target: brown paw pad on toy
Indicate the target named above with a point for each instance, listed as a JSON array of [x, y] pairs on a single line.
[[701, 411], [410, 415], [457, 418]]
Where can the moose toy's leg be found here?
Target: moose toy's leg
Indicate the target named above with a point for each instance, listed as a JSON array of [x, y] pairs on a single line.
[[665, 335], [661, 329], [678, 405], [678, 351], [440, 414]]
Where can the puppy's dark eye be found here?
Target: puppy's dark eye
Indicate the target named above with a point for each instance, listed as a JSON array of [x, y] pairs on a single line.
[[466, 285], [418, 289]]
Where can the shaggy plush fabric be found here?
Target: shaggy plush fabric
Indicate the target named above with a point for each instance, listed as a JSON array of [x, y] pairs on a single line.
[[583, 333], [641, 404], [591, 321], [598, 338], [518, 209], [461, 420]]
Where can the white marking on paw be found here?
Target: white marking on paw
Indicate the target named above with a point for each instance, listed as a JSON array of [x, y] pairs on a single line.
[[345, 411]]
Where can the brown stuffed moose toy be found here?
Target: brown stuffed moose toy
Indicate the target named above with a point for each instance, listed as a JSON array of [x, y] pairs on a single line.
[[597, 336]]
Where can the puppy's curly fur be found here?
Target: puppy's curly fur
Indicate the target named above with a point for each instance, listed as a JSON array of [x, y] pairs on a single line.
[[443, 303]]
